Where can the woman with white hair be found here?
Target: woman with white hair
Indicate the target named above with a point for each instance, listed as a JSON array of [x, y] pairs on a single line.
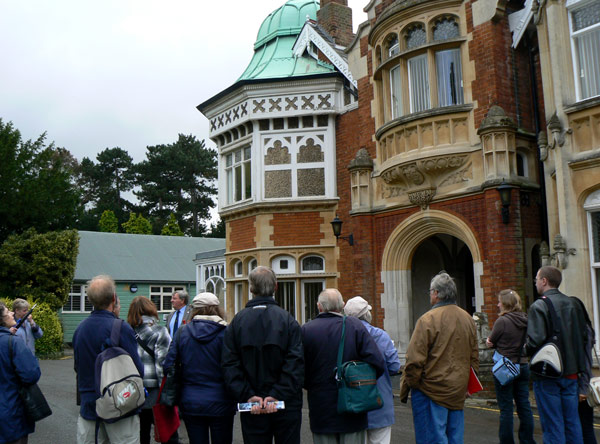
[[205, 406], [379, 430]]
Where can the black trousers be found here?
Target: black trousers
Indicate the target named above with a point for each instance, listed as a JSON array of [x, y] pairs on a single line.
[[283, 425]]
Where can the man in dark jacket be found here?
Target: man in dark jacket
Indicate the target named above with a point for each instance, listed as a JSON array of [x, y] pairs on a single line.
[[91, 334], [557, 399], [321, 338], [263, 362]]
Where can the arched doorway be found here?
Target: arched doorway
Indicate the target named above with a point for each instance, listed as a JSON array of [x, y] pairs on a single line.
[[436, 253], [427, 242]]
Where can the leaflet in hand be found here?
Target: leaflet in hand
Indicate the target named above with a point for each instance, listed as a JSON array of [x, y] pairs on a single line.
[[247, 406]]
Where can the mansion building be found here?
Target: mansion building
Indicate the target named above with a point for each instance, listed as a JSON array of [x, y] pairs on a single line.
[[445, 134]]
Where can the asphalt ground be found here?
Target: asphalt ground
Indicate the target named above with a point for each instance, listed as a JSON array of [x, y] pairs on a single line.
[[58, 385]]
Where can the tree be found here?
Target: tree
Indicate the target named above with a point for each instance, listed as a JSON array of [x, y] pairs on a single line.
[[40, 266], [217, 230], [108, 222], [179, 178], [36, 189], [137, 225], [171, 228]]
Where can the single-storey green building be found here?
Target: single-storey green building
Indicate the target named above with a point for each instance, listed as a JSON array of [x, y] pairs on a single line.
[[147, 265]]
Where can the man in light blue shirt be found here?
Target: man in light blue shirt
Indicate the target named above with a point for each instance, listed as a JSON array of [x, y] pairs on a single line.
[[181, 313], [29, 331]]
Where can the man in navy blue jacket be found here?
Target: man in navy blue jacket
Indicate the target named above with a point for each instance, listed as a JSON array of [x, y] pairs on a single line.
[[321, 338], [91, 334]]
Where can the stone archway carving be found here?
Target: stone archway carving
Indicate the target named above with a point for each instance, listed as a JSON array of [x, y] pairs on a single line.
[[396, 266]]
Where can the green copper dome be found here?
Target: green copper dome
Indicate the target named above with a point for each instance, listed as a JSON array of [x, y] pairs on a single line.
[[273, 57], [286, 20]]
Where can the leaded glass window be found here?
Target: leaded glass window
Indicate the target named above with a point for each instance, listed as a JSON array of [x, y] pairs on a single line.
[[416, 36], [445, 29]]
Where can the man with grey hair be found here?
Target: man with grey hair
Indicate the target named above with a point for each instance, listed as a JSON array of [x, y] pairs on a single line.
[[28, 330], [89, 339], [181, 313], [263, 363], [441, 352], [321, 338]]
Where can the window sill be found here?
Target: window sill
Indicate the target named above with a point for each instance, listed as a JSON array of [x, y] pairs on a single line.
[[583, 105]]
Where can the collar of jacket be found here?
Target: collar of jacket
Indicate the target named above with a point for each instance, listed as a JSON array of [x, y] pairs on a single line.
[[442, 303], [551, 291], [261, 301], [330, 314], [103, 313]]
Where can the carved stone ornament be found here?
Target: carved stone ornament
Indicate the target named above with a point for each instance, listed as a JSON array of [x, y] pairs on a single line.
[[496, 119], [542, 142], [560, 257], [430, 171], [362, 161], [421, 197]]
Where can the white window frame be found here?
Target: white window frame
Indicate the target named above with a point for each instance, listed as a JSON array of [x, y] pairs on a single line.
[[238, 269], [276, 265], [302, 270], [250, 263], [163, 294], [573, 5], [308, 281], [82, 300], [396, 104], [245, 165], [280, 286], [592, 205], [238, 290]]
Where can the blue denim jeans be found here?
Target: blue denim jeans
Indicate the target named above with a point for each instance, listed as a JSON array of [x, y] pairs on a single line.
[[435, 424], [557, 403], [518, 389]]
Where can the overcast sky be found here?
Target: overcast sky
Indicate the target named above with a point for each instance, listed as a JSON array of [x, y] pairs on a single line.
[[127, 73]]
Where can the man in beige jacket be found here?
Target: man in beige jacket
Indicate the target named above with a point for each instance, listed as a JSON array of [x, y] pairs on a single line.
[[442, 349]]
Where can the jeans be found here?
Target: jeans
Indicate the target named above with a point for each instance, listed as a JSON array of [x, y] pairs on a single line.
[[557, 403], [517, 389], [435, 424], [198, 428]]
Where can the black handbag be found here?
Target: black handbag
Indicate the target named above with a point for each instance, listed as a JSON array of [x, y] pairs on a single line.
[[356, 382], [36, 406]]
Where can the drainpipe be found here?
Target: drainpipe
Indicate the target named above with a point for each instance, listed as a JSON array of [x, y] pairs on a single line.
[[536, 118]]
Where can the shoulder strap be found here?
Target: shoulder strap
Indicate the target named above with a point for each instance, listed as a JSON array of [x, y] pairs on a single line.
[[554, 318], [341, 348], [144, 345], [115, 332]]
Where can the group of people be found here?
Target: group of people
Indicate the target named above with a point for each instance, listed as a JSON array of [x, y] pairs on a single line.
[[564, 413], [262, 357], [266, 358]]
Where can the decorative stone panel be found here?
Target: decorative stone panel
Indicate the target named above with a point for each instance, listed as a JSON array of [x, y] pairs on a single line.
[[278, 154], [310, 152], [497, 132], [311, 182], [278, 183]]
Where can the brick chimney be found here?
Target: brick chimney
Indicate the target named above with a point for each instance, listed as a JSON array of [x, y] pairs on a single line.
[[335, 17]]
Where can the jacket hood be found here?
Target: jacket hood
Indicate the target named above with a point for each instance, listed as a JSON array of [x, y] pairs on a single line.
[[204, 330], [518, 317]]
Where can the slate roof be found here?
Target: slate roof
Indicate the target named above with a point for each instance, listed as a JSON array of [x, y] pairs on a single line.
[[141, 258]]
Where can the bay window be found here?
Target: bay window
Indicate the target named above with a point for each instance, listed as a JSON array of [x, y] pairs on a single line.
[[585, 36], [238, 175]]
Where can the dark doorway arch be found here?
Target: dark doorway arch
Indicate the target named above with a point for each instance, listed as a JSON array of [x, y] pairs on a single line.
[[434, 254]]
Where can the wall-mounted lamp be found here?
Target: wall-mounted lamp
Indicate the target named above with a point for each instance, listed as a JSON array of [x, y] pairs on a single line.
[[504, 190], [336, 224]]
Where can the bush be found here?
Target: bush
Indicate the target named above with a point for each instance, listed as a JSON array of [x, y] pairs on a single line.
[[51, 343]]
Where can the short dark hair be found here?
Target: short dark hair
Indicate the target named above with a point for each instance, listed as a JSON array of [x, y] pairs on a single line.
[[3, 310], [552, 275], [140, 306]]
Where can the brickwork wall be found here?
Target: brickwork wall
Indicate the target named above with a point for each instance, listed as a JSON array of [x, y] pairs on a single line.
[[336, 18], [242, 234], [300, 228]]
